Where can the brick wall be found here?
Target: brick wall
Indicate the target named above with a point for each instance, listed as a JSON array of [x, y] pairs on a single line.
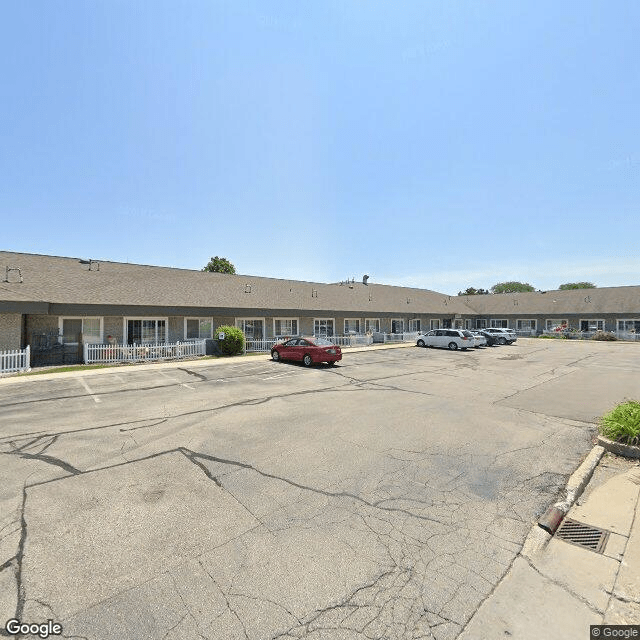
[[10, 331]]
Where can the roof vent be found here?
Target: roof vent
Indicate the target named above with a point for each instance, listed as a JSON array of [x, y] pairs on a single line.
[[247, 288], [364, 279], [9, 270], [314, 293]]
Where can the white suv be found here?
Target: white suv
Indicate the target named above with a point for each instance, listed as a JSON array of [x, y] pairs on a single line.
[[446, 339], [503, 336]]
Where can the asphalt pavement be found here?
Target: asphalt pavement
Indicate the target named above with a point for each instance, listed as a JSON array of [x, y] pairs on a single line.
[[387, 497]]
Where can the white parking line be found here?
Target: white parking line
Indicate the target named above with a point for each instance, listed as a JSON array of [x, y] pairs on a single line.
[[182, 384], [88, 390]]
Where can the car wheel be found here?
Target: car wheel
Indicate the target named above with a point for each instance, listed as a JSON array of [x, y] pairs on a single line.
[[453, 346], [421, 343], [275, 356], [307, 360], [502, 341]]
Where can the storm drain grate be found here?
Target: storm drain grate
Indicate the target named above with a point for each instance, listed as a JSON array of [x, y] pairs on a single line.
[[583, 535]]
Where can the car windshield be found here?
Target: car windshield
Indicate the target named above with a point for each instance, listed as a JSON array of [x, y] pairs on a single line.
[[322, 342], [467, 334]]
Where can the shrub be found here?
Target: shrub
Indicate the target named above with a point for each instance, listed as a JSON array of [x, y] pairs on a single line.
[[555, 336], [233, 343], [622, 424], [604, 335]]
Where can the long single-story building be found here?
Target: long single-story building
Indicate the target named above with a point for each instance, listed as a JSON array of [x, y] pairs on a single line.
[[45, 299]]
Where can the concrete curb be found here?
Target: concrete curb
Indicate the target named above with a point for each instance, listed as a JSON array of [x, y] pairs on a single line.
[[626, 450], [580, 478], [174, 364], [538, 537]]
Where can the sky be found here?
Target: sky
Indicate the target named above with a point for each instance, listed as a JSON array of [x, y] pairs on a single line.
[[429, 144]]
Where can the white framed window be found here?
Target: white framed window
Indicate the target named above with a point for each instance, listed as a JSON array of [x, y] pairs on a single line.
[[434, 323], [351, 325], [526, 324], [481, 323], [457, 324], [499, 324], [415, 325], [145, 330], [285, 326], [591, 325], [74, 329], [198, 328], [629, 326], [253, 328], [397, 325], [554, 324], [372, 325], [323, 326]]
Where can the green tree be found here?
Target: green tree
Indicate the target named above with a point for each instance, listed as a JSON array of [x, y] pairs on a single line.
[[220, 265], [233, 343], [511, 287], [472, 291], [577, 285]]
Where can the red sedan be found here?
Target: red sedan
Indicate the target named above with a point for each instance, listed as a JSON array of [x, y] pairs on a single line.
[[307, 350]]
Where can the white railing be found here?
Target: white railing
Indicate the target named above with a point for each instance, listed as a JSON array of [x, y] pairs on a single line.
[[259, 345], [352, 340], [522, 332], [112, 353], [15, 361], [407, 336]]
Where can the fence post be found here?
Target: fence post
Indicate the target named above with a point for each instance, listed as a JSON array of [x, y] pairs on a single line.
[[27, 363], [85, 349]]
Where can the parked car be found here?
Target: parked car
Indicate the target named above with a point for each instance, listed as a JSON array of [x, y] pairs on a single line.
[[307, 350], [503, 336], [446, 339], [479, 340], [491, 338]]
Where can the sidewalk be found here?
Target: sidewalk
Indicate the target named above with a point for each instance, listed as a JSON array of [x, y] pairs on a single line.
[[173, 364], [556, 589]]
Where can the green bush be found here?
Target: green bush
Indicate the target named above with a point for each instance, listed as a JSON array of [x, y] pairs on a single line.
[[233, 343], [604, 335], [622, 424], [555, 336]]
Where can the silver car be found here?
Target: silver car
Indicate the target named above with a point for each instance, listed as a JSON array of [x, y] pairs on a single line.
[[503, 336], [446, 339]]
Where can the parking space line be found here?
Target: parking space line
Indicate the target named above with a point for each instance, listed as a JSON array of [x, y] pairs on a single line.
[[88, 390], [182, 384]]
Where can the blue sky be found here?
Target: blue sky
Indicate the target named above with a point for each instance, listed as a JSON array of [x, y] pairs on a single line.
[[429, 144]]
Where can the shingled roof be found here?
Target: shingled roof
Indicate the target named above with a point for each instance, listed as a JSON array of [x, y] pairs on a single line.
[[587, 302], [60, 280]]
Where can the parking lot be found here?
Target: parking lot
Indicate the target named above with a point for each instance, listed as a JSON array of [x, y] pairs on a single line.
[[381, 498]]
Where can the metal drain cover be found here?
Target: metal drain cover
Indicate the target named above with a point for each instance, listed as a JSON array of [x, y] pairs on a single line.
[[583, 535]]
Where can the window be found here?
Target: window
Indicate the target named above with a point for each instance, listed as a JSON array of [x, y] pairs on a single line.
[[73, 330], [195, 328], [499, 324], [446, 323], [397, 326], [285, 326], [553, 324], [372, 325], [467, 324], [323, 327], [481, 323], [591, 325], [630, 326], [146, 330], [526, 325], [352, 325], [435, 324], [414, 325], [457, 324], [253, 328]]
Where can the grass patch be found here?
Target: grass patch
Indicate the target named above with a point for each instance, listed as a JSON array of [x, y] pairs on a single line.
[[622, 424], [71, 367]]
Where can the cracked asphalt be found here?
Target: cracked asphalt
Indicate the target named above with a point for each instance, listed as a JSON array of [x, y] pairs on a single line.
[[383, 498]]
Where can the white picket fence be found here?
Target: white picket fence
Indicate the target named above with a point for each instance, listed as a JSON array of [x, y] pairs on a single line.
[[407, 336], [108, 353], [259, 345], [341, 341], [15, 361]]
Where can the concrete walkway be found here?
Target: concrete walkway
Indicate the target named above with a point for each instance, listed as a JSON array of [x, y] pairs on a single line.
[[557, 589]]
